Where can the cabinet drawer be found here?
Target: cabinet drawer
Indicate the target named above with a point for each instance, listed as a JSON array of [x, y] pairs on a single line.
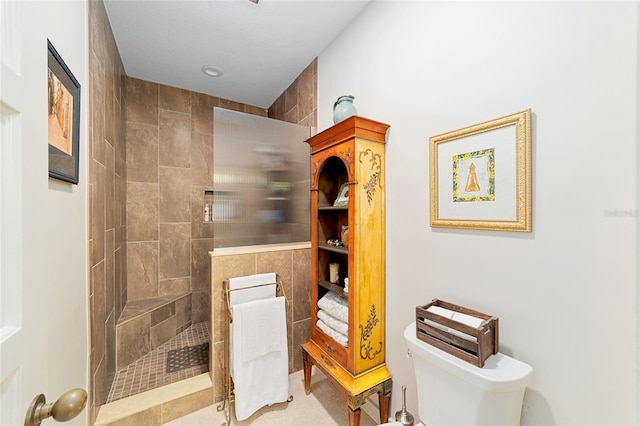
[[330, 346]]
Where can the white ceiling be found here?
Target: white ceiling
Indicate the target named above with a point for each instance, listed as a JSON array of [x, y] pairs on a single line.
[[260, 48]]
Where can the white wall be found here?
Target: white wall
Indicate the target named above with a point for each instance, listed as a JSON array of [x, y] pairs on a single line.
[[566, 294], [48, 220], [64, 213]]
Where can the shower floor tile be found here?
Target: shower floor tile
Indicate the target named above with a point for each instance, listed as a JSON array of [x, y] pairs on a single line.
[[149, 372]]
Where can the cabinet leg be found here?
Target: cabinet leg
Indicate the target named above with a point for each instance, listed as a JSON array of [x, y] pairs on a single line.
[[307, 372], [354, 417], [384, 401]]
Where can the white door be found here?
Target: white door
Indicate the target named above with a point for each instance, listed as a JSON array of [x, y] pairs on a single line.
[[23, 267]]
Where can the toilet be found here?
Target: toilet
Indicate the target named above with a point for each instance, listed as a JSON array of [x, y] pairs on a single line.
[[454, 392]]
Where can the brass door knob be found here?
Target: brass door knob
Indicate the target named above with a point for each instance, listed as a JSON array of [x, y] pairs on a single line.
[[68, 406]]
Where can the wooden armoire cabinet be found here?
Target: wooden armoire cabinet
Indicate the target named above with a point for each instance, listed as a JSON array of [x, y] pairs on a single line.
[[348, 194]]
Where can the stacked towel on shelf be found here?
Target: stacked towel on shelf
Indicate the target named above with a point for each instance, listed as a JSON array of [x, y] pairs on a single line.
[[335, 306], [333, 317], [340, 338], [339, 326]]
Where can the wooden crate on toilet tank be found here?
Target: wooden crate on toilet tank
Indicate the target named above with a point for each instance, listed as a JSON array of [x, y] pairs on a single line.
[[472, 343]]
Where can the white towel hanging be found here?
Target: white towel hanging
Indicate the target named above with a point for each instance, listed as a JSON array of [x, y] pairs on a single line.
[[263, 379], [251, 287], [261, 328]]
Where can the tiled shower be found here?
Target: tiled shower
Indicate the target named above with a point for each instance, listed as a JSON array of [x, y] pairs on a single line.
[[150, 370], [150, 150]]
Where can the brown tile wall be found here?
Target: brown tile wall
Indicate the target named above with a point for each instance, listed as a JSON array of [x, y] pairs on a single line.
[[169, 133], [107, 201], [150, 161], [298, 104]]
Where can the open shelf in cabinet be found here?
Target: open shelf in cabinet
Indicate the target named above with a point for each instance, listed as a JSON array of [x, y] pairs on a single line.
[[334, 249], [328, 255], [332, 287]]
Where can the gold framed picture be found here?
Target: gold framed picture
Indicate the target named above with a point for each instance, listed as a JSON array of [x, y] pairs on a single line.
[[480, 176]]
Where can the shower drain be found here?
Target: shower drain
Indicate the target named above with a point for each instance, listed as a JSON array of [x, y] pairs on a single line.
[[189, 356]]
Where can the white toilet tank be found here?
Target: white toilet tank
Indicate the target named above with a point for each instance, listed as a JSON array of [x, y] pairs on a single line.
[[454, 392]]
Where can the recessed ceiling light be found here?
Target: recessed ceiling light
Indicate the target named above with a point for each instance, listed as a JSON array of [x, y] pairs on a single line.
[[211, 70]]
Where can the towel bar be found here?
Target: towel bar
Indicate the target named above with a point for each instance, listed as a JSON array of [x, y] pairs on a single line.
[[228, 383]]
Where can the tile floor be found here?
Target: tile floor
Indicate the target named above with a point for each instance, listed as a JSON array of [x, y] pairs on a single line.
[[323, 407], [149, 372]]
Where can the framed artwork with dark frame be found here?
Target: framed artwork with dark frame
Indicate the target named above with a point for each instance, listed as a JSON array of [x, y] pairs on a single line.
[[480, 176], [63, 112]]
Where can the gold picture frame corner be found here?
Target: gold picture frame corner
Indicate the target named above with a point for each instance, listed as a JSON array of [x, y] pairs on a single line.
[[473, 136]]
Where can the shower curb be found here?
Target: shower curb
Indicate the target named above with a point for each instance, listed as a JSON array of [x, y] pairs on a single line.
[[159, 406]]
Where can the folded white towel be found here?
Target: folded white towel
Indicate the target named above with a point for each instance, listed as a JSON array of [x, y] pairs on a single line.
[[251, 280], [241, 294], [260, 327], [466, 319], [339, 326], [340, 338], [441, 311], [336, 306], [263, 380], [455, 316], [449, 330], [435, 325], [469, 320]]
